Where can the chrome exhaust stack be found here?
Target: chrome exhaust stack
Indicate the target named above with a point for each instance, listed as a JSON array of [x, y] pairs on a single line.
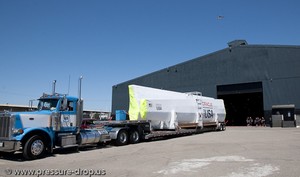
[[53, 87], [79, 113]]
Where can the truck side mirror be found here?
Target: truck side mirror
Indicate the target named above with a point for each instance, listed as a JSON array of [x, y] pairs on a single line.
[[64, 105]]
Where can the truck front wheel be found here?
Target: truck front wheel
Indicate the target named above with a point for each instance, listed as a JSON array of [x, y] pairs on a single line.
[[122, 138], [34, 148]]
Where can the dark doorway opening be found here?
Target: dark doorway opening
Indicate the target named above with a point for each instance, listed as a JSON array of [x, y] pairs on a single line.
[[242, 101]]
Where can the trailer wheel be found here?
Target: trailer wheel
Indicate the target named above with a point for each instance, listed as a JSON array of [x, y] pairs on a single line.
[[34, 148], [134, 137], [223, 127], [122, 138]]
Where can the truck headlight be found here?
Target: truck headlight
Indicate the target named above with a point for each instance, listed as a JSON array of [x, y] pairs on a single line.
[[18, 131]]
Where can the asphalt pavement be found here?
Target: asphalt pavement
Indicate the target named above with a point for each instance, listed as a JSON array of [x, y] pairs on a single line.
[[238, 151]]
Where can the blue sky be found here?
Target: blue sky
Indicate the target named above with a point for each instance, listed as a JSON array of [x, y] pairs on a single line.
[[112, 41]]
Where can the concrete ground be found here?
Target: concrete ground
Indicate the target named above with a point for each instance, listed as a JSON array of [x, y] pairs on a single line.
[[238, 151]]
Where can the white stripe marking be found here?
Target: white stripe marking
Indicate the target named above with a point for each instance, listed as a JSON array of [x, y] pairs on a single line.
[[194, 165]]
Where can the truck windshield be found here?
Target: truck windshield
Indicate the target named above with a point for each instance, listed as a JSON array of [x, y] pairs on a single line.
[[47, 104]]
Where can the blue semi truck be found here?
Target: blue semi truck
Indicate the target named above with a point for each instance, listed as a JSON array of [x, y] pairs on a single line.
[[55, 124]]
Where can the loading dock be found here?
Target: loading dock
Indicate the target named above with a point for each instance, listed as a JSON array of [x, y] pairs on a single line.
[[242, 101]]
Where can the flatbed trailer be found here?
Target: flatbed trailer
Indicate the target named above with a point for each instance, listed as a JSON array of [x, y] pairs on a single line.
[[168, 133], [125, 132]]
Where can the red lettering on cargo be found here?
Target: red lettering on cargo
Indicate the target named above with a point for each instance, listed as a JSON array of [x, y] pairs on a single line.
[[207, 104]]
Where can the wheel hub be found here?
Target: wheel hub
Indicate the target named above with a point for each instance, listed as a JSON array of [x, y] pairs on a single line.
[[37, 147]]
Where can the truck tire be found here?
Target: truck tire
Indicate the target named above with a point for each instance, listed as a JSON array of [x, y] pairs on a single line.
[[223, 127], [134, 137], [122, 138], [34, 148]]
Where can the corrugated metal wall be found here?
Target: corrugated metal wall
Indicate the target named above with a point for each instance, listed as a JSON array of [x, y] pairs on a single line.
[[277, 67]]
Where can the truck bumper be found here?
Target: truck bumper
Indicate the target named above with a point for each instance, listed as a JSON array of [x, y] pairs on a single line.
[[9, 146]]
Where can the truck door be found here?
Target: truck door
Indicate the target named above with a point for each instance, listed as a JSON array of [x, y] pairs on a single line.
[[68, 116]]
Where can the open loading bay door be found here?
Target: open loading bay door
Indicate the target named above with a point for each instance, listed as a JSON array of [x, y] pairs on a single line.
[[242, 101]]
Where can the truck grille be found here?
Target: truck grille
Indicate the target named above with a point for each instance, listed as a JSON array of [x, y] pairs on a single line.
[[5, 125]]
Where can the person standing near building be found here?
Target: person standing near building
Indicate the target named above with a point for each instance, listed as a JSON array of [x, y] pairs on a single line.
[[248, 121], [251, 121], [263, 122], [257, 121]]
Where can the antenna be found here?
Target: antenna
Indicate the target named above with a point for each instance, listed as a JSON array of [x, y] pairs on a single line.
[[69, 84]]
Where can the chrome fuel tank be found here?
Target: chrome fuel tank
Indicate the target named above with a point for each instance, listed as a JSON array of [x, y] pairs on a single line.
[[92, 136]]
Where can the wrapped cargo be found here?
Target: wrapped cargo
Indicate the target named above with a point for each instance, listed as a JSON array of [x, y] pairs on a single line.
[[170, 110], [212, 110], [171, 114]]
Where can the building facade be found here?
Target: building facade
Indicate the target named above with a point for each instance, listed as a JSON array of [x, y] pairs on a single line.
[[250, 78]]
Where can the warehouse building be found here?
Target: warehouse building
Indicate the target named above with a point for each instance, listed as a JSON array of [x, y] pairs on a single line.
[[253, 80]]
